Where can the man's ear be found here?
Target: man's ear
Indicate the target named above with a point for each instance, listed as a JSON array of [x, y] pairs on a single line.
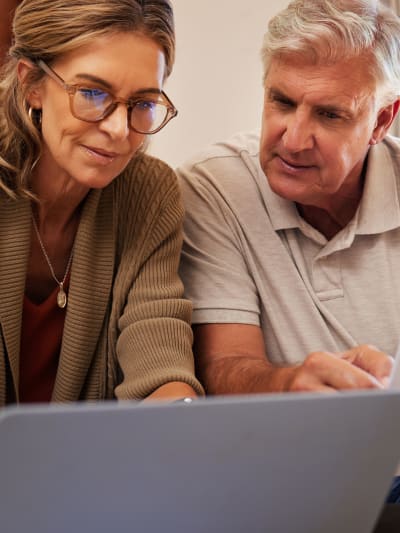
[[33, 96], [384, 120]]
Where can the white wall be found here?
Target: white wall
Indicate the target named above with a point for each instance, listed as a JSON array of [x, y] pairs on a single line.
[[216, 82]]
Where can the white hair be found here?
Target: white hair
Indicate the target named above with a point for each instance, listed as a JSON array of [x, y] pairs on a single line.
[[327, 31]]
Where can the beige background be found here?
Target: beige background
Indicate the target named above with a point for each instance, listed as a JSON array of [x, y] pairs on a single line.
[[216, 82]]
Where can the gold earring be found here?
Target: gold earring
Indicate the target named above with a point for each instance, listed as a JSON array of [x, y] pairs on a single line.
[[35, 116]]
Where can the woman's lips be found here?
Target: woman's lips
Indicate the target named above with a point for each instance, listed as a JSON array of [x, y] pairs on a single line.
[[101, 156]]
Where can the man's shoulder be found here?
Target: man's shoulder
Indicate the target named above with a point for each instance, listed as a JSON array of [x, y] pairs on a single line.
[[392, 143], [385, 157], [223, 162], [237, 146]]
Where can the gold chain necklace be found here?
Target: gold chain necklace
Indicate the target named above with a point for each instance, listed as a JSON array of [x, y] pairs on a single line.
[[61, 296]]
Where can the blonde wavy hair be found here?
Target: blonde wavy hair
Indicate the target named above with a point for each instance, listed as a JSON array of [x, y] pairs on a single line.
[[326, 31], [47, 29]]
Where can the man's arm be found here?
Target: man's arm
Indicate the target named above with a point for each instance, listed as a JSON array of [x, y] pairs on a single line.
[[7, 9], [231, 359]]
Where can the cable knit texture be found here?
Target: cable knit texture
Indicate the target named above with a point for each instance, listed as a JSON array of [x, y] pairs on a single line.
[[127, 326]]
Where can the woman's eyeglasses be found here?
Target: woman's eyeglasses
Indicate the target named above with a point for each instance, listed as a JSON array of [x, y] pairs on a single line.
[[146, 115]]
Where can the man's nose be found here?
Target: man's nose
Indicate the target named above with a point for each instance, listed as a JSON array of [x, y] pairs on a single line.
[[299, 132]]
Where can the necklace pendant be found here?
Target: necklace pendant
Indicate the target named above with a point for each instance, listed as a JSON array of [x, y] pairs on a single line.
[[61, 297]]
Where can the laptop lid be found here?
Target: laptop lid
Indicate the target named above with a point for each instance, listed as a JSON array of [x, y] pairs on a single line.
[[269, 463]]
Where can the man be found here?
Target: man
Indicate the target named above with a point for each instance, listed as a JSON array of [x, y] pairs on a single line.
[[292, 240]]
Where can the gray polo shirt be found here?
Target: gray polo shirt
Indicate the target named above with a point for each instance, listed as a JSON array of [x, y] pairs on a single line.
[[249, 258]]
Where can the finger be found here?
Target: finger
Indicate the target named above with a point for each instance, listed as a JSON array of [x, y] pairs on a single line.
[[304, 379], [335, 372], [372, 360], [323, 389]]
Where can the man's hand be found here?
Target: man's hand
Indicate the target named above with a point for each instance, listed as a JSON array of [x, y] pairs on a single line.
[[231, 359], [362, 367]]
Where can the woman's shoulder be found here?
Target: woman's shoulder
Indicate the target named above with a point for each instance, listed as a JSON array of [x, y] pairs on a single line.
[[147, 183], [147, 170]]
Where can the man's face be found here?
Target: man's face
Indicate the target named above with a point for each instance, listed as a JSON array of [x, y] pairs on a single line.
[[318, 123]]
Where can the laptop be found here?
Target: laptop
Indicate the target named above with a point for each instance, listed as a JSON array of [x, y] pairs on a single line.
[[277, 463]]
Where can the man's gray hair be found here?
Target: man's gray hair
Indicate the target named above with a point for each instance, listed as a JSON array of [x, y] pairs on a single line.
[[327, 31]]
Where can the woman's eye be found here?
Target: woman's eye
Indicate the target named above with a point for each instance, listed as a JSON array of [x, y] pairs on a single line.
[[145, 105], [94, 95]]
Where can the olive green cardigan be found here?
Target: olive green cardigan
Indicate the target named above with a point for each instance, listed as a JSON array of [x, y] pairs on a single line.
[[127, 327]]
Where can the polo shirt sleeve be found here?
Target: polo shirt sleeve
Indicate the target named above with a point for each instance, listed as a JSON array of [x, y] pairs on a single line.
[[214, 266]]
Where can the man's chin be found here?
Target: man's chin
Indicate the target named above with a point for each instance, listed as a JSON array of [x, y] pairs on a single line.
[[286, 188]]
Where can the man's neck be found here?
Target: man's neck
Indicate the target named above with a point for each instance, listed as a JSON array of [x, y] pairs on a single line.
[[329, 221]]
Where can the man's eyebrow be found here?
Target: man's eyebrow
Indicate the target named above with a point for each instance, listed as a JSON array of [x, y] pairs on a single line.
[[332, 108], [335, 108], [108, 85], [277, 93]]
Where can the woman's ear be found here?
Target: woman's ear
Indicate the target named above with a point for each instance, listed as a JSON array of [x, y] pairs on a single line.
[[384, 120], [33, 96]]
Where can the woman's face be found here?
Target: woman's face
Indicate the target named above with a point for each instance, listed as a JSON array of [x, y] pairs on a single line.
[[91, 155]]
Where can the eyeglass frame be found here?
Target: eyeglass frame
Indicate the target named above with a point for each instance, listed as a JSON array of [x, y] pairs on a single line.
[[71, 89]]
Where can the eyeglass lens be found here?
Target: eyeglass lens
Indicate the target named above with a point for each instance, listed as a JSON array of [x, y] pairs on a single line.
[[94, 104]]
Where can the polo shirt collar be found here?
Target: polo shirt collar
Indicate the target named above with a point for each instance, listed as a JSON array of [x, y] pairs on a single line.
[[283, 213], [379, 209]]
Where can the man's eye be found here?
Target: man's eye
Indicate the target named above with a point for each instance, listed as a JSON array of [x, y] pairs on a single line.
[[282, 102], [331, 115]]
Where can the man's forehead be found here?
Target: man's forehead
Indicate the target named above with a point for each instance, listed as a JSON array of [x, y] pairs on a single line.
[[346, 81]]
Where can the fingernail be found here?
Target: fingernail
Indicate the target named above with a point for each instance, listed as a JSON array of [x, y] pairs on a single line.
[[385, 382]]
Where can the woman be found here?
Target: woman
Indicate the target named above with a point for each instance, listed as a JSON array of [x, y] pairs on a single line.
[[91, 305]]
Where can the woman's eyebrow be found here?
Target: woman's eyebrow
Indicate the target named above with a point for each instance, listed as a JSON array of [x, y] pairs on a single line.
[[95, 79], [107, 85]]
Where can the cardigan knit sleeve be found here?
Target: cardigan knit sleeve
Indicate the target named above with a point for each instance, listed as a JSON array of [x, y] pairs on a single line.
[[154, 343]]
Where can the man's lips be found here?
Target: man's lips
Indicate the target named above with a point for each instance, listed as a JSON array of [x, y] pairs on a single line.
[[292, 165]]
